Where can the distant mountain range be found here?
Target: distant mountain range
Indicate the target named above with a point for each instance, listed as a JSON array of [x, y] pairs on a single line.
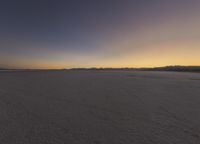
[[167, 68], [174, 68], [94, 69]]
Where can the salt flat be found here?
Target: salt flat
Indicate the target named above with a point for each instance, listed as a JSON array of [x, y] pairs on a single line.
[[99, 107]]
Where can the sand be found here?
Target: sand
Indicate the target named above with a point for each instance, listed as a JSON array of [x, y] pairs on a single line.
[[99, 107]]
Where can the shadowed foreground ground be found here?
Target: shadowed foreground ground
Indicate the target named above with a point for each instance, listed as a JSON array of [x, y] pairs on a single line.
[[99, 107]]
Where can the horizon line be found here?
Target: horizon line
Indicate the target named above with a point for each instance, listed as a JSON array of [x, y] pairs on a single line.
[[4, 68]]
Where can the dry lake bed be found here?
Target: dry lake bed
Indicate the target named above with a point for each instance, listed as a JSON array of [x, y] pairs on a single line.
[[99, 107]]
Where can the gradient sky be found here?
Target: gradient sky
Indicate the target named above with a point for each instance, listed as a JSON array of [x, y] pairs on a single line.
[[99, 33]]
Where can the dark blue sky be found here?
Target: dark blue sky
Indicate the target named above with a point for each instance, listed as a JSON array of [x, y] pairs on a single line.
[[42, 30], [55, 21]]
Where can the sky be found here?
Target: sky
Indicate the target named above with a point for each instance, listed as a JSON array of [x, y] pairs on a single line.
[[99, 33]]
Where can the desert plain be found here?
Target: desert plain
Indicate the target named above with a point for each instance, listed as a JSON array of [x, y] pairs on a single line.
[[99, 107]]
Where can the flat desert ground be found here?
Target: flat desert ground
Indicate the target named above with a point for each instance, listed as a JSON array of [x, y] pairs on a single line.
[[99, 107]]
